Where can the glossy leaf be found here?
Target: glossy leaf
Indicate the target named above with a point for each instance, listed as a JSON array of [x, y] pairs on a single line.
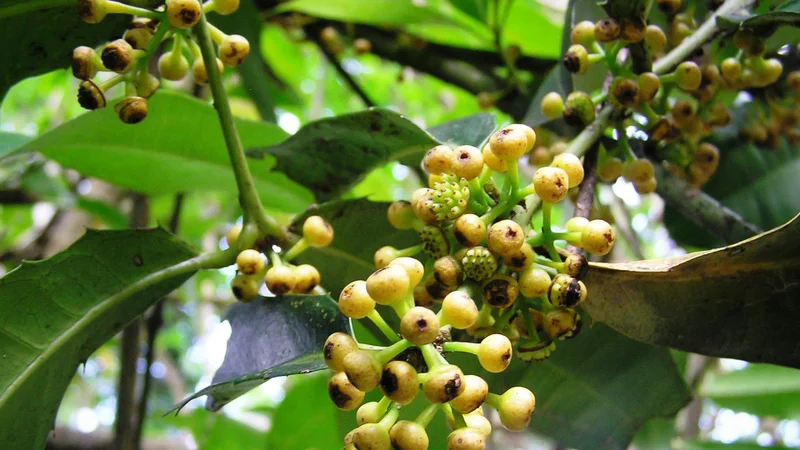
[[30, 52], [55, 313], [759, 389], [329, 155], [11, 141], [361, 228], [178, 148], [596, 390], [271, 337], [734, 302], [471, 130], [218, 431], [305, 407], [788, 13]]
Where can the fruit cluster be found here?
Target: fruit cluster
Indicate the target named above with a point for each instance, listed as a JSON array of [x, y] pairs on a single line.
[[128, 57], [280, 276], [492, 286], [676, 110]]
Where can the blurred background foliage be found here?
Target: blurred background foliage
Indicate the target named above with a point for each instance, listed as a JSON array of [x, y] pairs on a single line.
[[433, 61]]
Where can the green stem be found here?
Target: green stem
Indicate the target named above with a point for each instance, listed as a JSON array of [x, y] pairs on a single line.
[[513, 175], [569, 236], [389, 419], [387, 354], [432, 357], [463, 347], [485, 318], [427, 414], [248, 196], [384, 403], [155, 41], [591, 133], [533, 334], [458, 419], [387, 331], [298, 248], [113, 7], [547, 231], [492, 400]]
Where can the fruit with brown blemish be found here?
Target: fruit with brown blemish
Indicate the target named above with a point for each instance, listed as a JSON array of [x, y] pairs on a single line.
[[118, 56], [343, 393], [466, 439], [515, 407], [505, 237], [438, 160], [420, 325], [306, 278], [469, 230], [509, 143], [317, 232], [494, 353], [183, 14], [388, 285], [362, 369], [443, 383], [399, 382], [520, 259], [500, 291], [131, 110], [280, 280], [354, 300], [566, 290], [244, 288], [475, 391], [467, 162], [233, 50], [606, 30], [200, 72], [337, 346], [576, 60], [447, 271], [551, 184], [250, 262], [570, 164], [91, 96]]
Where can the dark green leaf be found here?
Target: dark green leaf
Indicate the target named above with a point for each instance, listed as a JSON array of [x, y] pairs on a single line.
[[178, 148], [55, 313], [736, 302], [110, 215], [471, 130], [218, 431], [596, 390], [655, 434], [758, 389], [329, 155], [271, 337], [361, 228], [30, 51], [787, 13], [11, 141], [305, 407]]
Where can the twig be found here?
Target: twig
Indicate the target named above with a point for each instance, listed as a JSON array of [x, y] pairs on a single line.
[[624, 226], [334, 61], [583, 206], [152, 325]]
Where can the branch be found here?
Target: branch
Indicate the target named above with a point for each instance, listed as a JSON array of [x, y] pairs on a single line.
[[63, 438], [583, 206], [248, 196]]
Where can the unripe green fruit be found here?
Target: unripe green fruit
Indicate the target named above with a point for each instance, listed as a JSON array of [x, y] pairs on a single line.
[[200, 72], [509, 143], [92, 11], [343, 394], [469, 230], [494, 353], [475, 391], [534, 282], [492, 161], [337, 346], [408, 435], [362, 370], [131, 110], [449, 197], [649, 83], [582, 33], [655, 39], [598, 237], [233, 234], [500, 291], [244, 288], [566, 290], [84, 66], [459, 310], [515, 409], [576, 224], [688, 76], [553, 104], [639, 170], [306, 278], [317, 232], [551, 184], [466, 439], [371, 436], [576, 60], [447, 271], [610, 169], [146, 85], [443, 384], [467, 162], [438, 160], [646, 187], [233, 50], [280, 280], [572, 165], [623, 92], [434, 242], [183, 14], [138, 38], [370, 412], [90, 96], [250, 262], [354, 300], [606, 30], [171, 68], [388, 285], [580, 110], [420, 325], [401, 215], [478, 263], [770, 72], [225, 7], [505, 237], [399, 382], [520, 259], [118, 56]]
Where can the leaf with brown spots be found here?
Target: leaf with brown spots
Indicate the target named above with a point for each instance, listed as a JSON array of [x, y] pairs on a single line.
[[738, 301]]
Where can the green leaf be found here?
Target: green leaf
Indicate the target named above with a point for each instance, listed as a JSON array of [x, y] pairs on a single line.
[[30, 51], [596, 390], [330, 155], [471, 130], [271, 337], [788, 13], [361, 228], [55, 313], [655, 434], [709, 445], [290, 428], [759, 389], [218, 431], [178, 148], [762, 179], [10, 142], [736, 302]]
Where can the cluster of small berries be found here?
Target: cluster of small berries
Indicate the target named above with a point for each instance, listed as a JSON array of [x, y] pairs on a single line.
[[333, 41], [780, 117], [678, 124], [491, 286], [128, 57], [280, 276]]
